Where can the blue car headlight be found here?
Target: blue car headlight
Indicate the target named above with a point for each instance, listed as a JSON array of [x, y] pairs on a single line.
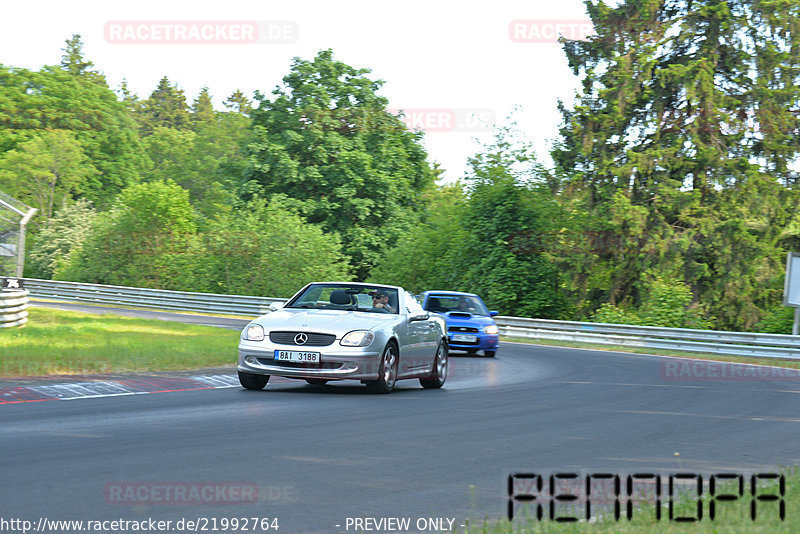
[[491, 329]]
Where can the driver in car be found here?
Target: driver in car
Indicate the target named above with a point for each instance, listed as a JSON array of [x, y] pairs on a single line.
[[465, 305], [380, 301]]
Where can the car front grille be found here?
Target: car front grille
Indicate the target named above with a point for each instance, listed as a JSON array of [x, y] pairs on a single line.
[[299, 365], [476, 342], [314, 340], [465, 329]]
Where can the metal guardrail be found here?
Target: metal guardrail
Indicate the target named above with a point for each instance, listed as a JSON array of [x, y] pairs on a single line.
[[149, 298], [653, 337], [682, 339], [13, 308]]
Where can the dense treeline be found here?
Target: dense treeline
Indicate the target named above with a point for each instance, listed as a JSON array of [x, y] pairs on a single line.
[[672, 200], [163, 193], [676, 171]]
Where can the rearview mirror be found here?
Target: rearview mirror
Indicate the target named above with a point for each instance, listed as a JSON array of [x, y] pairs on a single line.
[[275, 306], [419, 317], [494, 313]]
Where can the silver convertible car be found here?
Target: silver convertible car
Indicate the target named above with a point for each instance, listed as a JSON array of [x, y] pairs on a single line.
[[377, 334]]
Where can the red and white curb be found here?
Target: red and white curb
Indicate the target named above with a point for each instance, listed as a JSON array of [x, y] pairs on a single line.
[[114, 388]]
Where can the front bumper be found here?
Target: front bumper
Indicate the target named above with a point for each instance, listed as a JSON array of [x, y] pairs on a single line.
[[336, 362], [483, 342]]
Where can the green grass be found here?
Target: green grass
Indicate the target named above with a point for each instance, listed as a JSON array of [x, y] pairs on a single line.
[[793, 364], [730, 516], [58, 342], [67, 342]]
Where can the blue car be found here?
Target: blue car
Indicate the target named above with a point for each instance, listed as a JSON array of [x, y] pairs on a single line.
[[470, 325]]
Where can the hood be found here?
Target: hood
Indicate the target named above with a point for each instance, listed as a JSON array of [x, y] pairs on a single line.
[[467, 319], [337, 322]]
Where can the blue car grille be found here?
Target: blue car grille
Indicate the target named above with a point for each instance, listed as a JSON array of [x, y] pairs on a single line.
[[476, 342], [314, 340], [465, 329]]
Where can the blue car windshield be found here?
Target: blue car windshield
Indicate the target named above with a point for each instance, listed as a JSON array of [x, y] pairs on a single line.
[[346, 297], [456, 303]]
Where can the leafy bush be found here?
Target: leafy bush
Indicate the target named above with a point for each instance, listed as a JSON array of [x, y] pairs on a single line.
[[779, 321], [147, 239], [265, 249], [667, 303], [608, 313], [150, 239]]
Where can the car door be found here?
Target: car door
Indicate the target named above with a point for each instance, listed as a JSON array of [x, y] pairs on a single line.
[[424, 336], [434, 331]]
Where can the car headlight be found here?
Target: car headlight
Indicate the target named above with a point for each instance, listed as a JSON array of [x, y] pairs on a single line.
[[254, 332], [491, 329], [357, 338]]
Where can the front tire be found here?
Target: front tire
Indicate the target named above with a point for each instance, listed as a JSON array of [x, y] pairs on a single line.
[[489, 353], [251, 381], [387, 373], [439, 373]]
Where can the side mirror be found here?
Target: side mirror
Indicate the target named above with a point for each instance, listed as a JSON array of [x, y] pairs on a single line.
[[420, 317], [494, 313], [275, 306]]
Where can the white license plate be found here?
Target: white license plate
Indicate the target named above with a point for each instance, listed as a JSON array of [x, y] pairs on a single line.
[[296, 356], [465, 338]]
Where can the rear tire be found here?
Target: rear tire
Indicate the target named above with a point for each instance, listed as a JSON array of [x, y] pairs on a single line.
[[387, 372], [439, 373], [316, 381], [489, 353], [251, 381]]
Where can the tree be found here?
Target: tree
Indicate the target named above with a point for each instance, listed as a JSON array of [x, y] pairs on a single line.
[[147, 239], [326, 141], [54, 99], [238, 103], [208, 161], [150, 239], [74, 62], [436, 244], [166, 107], [46, 170], [494, 239], [62, 235], [172, 153], [130, 99], [513, 221], [686, 109], [203, 109], [673, 95], [262, 248]]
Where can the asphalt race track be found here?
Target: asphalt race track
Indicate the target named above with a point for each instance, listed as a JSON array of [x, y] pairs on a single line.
[[314, 456]]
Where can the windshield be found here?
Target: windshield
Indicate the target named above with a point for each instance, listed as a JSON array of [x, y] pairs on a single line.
[[373, 299], [456, 303]]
